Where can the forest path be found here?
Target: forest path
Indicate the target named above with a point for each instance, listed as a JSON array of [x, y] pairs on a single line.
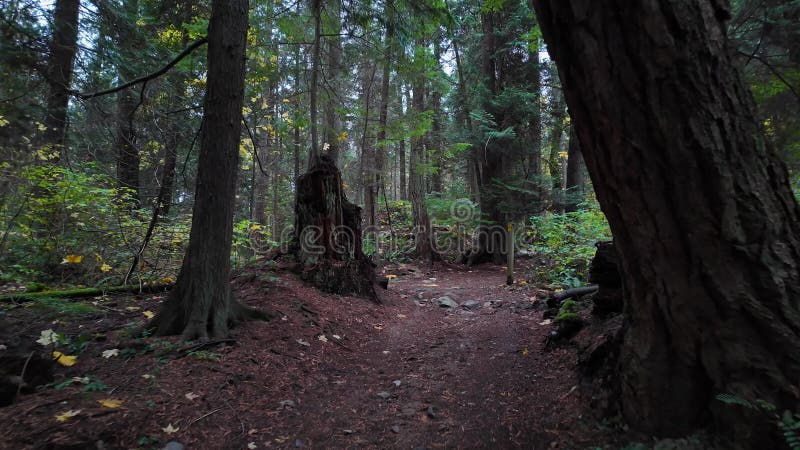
[[330, 372]]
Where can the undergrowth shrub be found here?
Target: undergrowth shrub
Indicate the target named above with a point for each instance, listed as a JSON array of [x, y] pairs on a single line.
[[563, 245]]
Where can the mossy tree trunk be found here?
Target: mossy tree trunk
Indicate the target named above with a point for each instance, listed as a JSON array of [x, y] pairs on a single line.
[[201, 305]]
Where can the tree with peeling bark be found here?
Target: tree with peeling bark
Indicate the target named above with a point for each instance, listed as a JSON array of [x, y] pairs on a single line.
[[201, 305], [703, 217]]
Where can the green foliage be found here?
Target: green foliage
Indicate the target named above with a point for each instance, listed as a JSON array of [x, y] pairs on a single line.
[[788, 422], [564, 245], [205, 355]]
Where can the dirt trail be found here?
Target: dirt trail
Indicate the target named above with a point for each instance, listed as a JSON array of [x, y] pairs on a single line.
[[333, 372]]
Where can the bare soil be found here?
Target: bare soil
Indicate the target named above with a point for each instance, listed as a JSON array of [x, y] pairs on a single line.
[[330, 372]]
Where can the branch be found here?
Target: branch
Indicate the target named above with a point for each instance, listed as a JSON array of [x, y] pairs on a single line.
[[774, 72], [145, 78]]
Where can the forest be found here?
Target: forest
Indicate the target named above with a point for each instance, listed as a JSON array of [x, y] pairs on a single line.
[[537, 224]]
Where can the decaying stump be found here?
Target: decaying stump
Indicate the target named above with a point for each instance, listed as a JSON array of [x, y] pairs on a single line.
[[328, 241], [605, 273]]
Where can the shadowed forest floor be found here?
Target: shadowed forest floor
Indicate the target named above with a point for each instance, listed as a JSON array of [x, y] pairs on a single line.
[[329, 372]]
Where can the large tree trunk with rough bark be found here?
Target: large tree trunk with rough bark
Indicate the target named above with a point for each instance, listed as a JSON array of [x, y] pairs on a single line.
[[63, 47], [128, 159], [707, 228], [328, 243], [423, 245], [201, 304]]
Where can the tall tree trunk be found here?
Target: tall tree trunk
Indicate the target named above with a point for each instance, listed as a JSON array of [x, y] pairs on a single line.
[[201, 303], [63, 47], [423, 246], [367, 162], [435, 136], [296, 123], [333, 71], [574, 194], [700, 207], [313, 88], [128, 158], [554, 158]]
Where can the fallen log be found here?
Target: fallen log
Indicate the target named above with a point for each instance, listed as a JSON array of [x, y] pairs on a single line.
[[85, 292], [574, 292]]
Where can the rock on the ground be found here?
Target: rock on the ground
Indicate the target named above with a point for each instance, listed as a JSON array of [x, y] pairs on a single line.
[[384, 395], [469, 304], [446, 302], [173, 445]]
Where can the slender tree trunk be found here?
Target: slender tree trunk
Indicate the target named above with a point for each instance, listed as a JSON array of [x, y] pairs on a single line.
[[575, 166], [423, 246], [296, 124], [435, 136], [201, 303], [555, 157], [128, 158], [333, 124], [368, 185], [313, 156], [63, 47], [700, 207]]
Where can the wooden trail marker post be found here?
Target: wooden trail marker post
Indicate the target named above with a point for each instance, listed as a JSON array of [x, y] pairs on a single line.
[[510, 254]]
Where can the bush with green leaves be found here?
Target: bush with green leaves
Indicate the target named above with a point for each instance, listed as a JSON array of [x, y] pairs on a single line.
[[68, 226], [563, 245]]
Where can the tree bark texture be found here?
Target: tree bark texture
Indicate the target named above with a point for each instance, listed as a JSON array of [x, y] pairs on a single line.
[[63, 46], [423, 246], [701, 210], [329, 234], [201, 304], [574, 193]]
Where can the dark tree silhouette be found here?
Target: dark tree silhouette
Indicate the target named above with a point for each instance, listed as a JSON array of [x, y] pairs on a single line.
[[201, 304], [700, 207]]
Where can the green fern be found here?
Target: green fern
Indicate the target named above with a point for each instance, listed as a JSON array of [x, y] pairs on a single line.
[[732, 399]]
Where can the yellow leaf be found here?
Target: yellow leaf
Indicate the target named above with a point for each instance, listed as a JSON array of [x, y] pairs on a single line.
[[391, 277], [255, 227], [342, 136], [105, 268], [169, 429], [65, 416], [132, 308], [401, 316], [110, 402], [65, 360], [166, 280], [149, 314], [72, 259], [525, 352]]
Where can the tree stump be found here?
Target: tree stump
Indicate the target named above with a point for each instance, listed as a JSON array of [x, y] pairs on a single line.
[[328, 239], [605, 273]]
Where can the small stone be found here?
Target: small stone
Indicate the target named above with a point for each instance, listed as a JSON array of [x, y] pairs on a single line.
[[384, 395], [395, 429], [287, 404], [397, 383], [348, 432], [431, 412], [420, 295], [469, 304], [446, 302], [298, 443], [173, 445], [487, 304]]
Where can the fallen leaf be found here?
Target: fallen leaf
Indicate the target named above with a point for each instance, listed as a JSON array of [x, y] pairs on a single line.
[[65, 416], [282, 439], [147, 376], [322, 338], [169, 429], [546, 322], [191, 395], [149, 314], [391, 277], [81, 380], [110, 402], [65, 360], [525, 352], [109, 353], [72, 259], [252, 445], [401, 316], [105, 268], [430, 285], [47, 337], [132, 308], [303, 343], [336, 336]]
